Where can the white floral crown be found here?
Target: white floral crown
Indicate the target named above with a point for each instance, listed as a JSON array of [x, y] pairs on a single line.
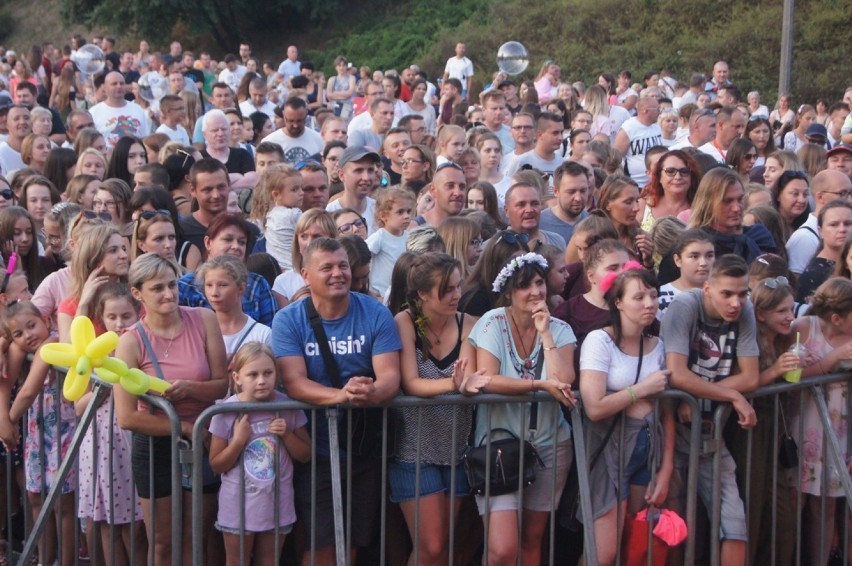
[[514, 264]]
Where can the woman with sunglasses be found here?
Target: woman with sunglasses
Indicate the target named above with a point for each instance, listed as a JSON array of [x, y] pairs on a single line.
[[313, 224], [741, 156], [673, 184], [835, 225], [7, 196]]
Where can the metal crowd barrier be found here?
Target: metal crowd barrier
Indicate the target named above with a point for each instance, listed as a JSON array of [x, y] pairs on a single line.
[[698, 446]]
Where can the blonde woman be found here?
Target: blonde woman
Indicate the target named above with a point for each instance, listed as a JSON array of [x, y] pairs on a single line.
[[463, 241]]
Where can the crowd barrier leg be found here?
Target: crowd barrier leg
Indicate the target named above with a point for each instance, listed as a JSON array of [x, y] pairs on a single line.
[[99, 393], [340, 546]]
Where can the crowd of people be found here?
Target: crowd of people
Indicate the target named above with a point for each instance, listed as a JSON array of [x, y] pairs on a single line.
[[255, 233]]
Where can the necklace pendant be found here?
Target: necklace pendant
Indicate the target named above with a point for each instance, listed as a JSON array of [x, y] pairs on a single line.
[[437, 340]]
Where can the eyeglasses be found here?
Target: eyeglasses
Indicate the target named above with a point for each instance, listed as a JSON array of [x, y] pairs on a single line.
[[307, 163], [775, 282], [447, 164], [751, 156], [840, 194], [407, 162], [476, 242], [103, 203], [672, 171], [357, 223], [7, 194], [149, 214], [519, 127]]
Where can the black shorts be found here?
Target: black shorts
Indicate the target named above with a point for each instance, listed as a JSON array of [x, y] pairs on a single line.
[[366, 498], [161, 482]]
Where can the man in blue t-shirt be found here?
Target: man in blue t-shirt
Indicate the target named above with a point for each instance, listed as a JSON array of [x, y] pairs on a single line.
[[365, 345]]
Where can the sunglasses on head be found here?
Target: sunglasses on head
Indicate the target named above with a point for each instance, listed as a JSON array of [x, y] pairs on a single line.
[[307, 163], [149, 214], [91, 215], [449, 164], [775, 282]]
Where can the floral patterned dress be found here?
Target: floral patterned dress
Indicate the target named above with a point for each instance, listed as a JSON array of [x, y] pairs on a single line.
[[50, 419], [813, 467]]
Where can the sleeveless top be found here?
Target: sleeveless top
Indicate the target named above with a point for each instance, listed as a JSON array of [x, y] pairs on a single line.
[[184, 358], [436, 422], [340, 86]]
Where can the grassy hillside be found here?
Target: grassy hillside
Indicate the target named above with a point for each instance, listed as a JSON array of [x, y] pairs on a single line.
[[585, 37]]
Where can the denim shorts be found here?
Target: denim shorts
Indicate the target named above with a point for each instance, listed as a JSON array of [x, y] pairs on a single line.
[[636, 470], [283, 531], [434, 478]]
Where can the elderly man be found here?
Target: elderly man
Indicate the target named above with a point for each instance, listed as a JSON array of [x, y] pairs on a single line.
[[116, 117], [217, 132], [363, 369], [523, 211], [297, 142]]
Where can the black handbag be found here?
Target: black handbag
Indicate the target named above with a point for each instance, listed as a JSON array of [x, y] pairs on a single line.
[[366, 424], [503, 457], [788, 451]]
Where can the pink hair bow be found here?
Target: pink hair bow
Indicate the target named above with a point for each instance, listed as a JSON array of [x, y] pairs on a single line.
[[609, 279]]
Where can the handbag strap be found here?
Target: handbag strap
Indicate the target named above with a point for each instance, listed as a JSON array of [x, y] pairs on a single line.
[[147, 343], [599, 450], [539, 366], [319, 332]]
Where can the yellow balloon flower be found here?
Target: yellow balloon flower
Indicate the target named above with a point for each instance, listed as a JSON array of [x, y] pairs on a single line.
[[86, 353]]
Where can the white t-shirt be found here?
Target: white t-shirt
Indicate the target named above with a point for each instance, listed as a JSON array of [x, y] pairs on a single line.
[[179, 134], [369, 213], [113, 123], [386, 249], [258, 333], [288, 283], [599, 353], [711, 150], [280, 232], [642, 138], [665, 297], [10, 160], [618, 115], [803, 244], [532, 158], [248, 108], [362, 121], [296, 149], [459, 69], [232, 78]]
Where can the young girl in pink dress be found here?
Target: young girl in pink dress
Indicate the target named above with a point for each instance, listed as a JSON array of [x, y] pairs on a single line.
[[106, 495]]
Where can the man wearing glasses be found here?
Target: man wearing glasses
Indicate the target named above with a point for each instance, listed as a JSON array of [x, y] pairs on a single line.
[[297, 142], [523, 135], [546, 156], [826, 186], [363, 121]]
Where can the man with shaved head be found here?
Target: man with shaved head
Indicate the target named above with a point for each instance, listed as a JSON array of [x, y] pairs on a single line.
[[116, 117]]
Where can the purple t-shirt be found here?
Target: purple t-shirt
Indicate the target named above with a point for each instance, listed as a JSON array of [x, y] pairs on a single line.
[[260, 473]]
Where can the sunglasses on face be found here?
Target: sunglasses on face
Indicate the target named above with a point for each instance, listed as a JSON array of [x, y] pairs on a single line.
[[7, 194], [672, 171]]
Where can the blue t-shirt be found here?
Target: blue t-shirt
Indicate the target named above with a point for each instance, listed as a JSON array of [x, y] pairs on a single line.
[[365, 331]]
